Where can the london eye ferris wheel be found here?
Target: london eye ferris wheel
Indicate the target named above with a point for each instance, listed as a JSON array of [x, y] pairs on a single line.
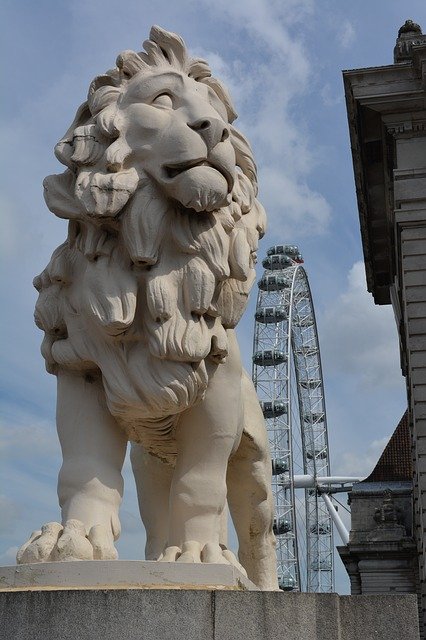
[[288, 378]]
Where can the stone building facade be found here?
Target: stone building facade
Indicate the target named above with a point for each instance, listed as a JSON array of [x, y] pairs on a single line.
[[381, 554], [387, 121]]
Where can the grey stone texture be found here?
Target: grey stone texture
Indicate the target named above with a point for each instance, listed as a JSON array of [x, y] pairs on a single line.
[[155, 614], [366, 497]]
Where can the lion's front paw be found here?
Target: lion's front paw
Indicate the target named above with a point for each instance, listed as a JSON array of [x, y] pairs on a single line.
[[69, 542], [193, 551]]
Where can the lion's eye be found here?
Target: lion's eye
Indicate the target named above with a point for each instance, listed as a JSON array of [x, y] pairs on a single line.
[[163, 100]]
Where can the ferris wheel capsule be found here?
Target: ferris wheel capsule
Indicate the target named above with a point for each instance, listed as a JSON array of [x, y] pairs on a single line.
[[273, 282], [270, 315], [286, 583], [269, 357], [290, 250], [273, 409], [275, 262], [281, 526], [279, 466]]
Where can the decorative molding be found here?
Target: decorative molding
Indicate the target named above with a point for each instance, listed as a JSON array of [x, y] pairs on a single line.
[[406, 126], [409, 36]]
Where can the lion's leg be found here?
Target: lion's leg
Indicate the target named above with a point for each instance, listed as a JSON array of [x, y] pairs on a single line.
[[206, 436], [250, 495], [90, 484], [153, 480]]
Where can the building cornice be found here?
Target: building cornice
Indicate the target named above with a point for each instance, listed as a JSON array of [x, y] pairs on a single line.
[[382, 103]]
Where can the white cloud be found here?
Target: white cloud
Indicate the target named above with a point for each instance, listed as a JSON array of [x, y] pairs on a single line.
[[267, 88], [351, 463], [9, 513], [360, 338], [8, 558], [329, 99], [271, 22], [346, 34], [295, 209]]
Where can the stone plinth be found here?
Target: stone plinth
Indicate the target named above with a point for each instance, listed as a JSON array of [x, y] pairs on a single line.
[[147, 602], [153, 614], [122, 574]]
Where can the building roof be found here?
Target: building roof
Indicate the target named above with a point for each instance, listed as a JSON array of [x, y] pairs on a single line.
[[395, 463]]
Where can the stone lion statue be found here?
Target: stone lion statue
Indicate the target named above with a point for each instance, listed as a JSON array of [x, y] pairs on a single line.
[[139, 306]]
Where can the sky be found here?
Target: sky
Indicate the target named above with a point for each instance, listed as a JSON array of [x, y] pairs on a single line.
[[282, 62]]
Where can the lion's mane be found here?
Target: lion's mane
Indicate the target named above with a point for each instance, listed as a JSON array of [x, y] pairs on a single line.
[[143, 289]]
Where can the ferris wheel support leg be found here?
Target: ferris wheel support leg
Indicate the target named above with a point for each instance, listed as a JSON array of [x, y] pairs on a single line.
[[343, 532], [250, 495]]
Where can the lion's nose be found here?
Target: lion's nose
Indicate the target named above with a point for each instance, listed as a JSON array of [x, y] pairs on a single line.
[[212, 131]]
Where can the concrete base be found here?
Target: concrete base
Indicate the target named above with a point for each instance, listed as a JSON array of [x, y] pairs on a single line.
[[152, 614], [122, 574]]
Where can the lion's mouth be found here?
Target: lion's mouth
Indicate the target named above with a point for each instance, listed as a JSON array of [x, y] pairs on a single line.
[[173, 170]]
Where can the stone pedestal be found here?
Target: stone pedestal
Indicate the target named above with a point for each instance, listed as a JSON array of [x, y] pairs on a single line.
[[185, 612], [122, 574]]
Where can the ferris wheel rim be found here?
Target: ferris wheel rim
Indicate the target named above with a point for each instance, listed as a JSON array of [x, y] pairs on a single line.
[[299, 273]]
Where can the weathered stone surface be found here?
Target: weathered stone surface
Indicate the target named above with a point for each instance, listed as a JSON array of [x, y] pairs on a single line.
[[122, 574], [107, 615], [371, 617], [204, 615], [278, 615]]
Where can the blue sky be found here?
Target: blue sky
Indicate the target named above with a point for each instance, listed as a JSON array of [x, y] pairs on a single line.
[[282, 62]]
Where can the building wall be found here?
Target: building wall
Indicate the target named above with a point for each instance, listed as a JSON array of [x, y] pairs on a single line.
[[387, 123], [379, 557], [410, 231]]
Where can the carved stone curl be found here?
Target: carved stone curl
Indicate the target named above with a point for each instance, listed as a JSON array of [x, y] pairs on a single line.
[[389, 521], [139, 306], [388, 514]]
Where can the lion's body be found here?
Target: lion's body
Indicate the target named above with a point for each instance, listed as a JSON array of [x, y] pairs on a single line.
[[139, 304]]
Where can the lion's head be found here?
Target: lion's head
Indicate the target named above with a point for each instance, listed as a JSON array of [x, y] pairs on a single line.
[[160, 192]]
